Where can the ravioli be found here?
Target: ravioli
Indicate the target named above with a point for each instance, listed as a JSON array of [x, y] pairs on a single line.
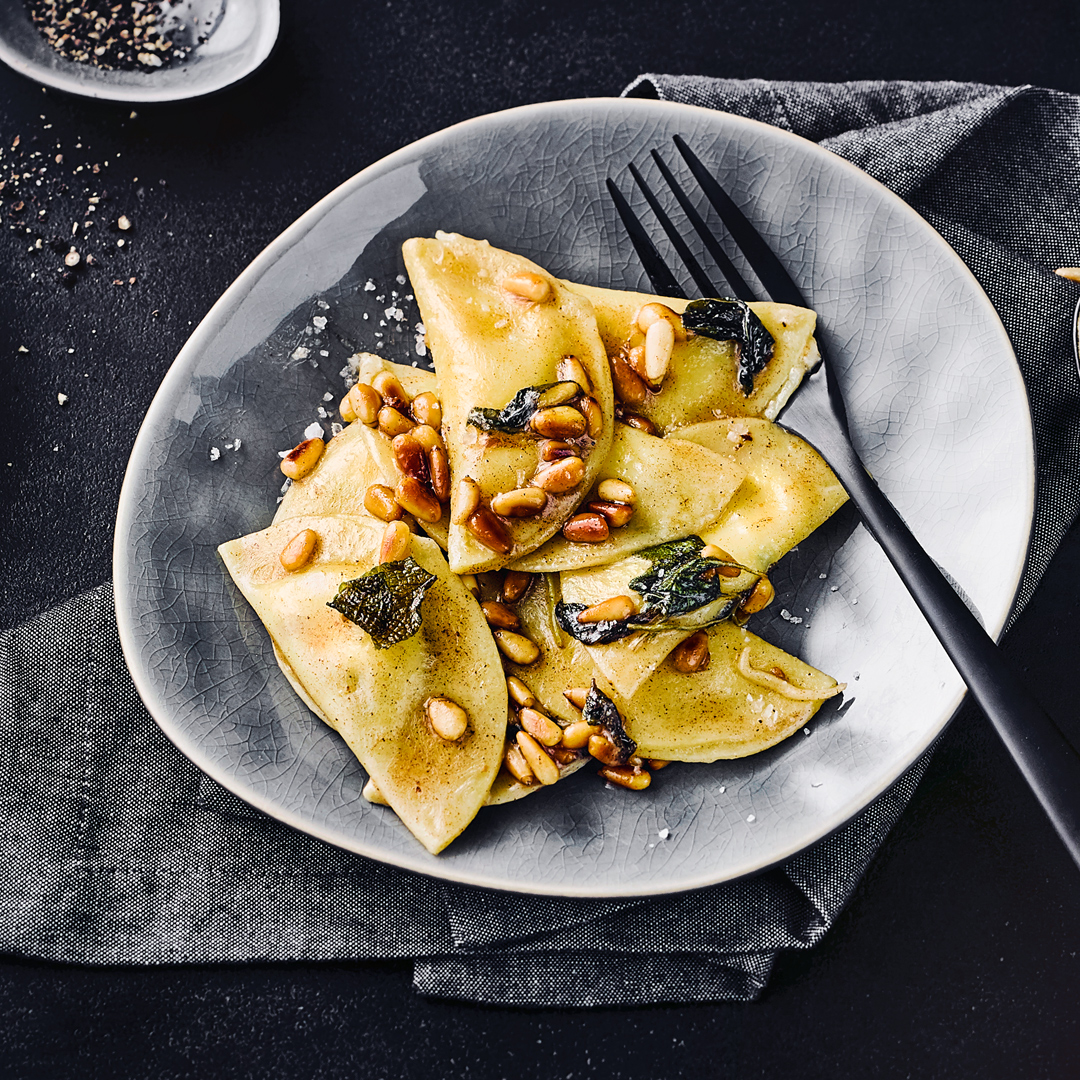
[[702, 382], [680, 489], [788, 491], [375, 698], [490, 345], [711, 714], [356, 458]]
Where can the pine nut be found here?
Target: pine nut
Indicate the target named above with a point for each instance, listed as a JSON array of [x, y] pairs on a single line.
[[521, 502], [392, 422], [559, 422], [543, 768], [447, 718], [711, 551], [389, 388], [652, 312], [515, 585], [563, 755], [417, 500], [692, 654], [659, 342], [570, 369], [299, 461], [554, 450], [612, 490], [397, 538], [576, 695], [628, 776], [466, 501], [558, 394], [656, 764], [586, 529], [560, 476], [615, 514], [594, 418], [500, 615], [636, 358], [576, 736], [519, 693], [761, 596], [630, 387], [298, 551], [517, 766], [528, 285], [427, 437], [517, 648], [410, 457], [471, 584], [615, 607], [490, 530], [603, 749], [364, 403], [439, 470], [542, 728], [379, 502], [372, 793], [427, 409], [640, 422], [348, 414]]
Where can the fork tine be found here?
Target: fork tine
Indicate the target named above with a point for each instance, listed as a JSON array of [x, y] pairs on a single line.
[[734, 279], [701, 279], [663, 281], [776, 280]]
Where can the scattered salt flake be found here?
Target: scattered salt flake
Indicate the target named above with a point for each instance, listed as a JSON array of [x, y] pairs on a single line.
[[215, 453], [300, 353], [324, 352], [336, 429], [394, 313], [366, 315], [369, 285], [722, 789], [328, 396], [23, 348], [321, 413], [400, 279], [855, 601], [61, 399], [664, 834], [323, 304], [806, 731], [788, 617], [822, 577], [319, 322], [833, 588], [313, 431], [751, 817]]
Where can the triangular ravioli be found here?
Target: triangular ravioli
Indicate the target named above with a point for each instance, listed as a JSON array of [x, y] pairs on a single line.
[[701, 383], [375, 698], [680, 489], [788, 492], [711, 714], [356, 458], [490, 345]]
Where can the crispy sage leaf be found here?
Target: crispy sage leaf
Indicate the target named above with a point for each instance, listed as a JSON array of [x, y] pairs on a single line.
[[732, 320], [512, 419], [386, 600], [680, 590], [600, 711]]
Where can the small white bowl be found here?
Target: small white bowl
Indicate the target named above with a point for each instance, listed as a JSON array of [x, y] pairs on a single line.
[[240, 35]]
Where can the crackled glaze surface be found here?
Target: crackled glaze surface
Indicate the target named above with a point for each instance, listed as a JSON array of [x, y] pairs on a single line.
[[937, 407]]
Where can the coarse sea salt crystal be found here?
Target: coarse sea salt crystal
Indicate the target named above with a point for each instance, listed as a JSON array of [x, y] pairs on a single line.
[[319, 322], [664, 834], [215, 453], [313, 431], [299, 353], [369, 285]]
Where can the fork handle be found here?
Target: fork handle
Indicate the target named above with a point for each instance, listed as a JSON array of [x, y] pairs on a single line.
[[1047, 760]]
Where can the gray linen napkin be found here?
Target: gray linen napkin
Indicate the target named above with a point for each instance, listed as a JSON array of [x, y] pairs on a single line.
[[115, 849]]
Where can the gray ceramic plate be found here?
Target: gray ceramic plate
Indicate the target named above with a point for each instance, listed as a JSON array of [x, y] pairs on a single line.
[[938, 410], [239, 35]]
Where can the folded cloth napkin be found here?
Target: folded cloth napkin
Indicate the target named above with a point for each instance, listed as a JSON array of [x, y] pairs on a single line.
[[115, 849]]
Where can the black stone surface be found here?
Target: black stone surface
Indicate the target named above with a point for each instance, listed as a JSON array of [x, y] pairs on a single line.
[[957, 957]]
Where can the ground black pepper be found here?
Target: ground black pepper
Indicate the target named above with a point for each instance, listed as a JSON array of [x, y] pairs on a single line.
[[125, 35]]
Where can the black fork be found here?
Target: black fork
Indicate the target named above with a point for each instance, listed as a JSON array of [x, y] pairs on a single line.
[[1048, 761]]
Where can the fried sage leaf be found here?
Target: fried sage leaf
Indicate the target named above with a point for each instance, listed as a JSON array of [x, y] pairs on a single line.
[[733, 320], [600, 711], [512, 419], [386, 600], [680, 590]]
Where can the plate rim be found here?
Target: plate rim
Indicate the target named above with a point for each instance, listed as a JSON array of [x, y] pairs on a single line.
[[242, 285]]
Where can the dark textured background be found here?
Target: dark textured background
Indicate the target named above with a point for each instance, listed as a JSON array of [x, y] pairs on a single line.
[[958, 955]]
